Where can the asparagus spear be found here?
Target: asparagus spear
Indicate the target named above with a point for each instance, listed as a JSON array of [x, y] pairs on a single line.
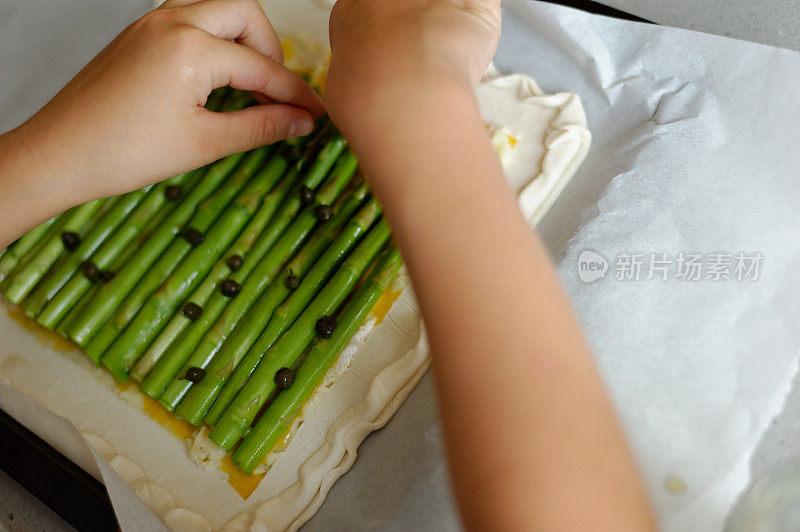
[[114, 292], [242, 248], [202, 394], [216, 98], [277, 418], [147, 213], [207, 212], [24, 279], [151, 204], [213, 301], [261, 277], [101, 230], [128, 252], [109, 333], [162, 304], [285, 352], [246, 336], [22, 246], [155, 382]]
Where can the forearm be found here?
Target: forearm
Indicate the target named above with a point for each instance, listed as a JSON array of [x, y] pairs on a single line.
[[32, 192], [507, 353]]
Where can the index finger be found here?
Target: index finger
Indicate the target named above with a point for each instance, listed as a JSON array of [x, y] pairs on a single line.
[[243, 68]]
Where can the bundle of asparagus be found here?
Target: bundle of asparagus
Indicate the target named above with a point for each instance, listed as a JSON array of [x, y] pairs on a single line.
[[227, 292]]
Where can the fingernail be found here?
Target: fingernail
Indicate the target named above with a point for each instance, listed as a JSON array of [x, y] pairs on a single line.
[[300, 127]]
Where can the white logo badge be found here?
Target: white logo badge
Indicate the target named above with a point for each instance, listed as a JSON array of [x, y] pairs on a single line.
[[591, 266]]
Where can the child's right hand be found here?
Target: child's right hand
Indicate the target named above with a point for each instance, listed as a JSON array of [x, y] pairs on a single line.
[[395, 48]]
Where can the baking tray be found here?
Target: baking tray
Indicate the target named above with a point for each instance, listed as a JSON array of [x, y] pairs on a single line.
[[70, 492]]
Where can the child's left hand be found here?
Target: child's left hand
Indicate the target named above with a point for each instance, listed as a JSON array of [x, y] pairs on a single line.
[[134, 115]]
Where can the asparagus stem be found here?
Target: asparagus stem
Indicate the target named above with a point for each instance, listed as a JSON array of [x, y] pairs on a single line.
[[159, 378], [261, 277], [162, 304], [23, 280], [100, 309], [61, 273], [278, 417], [204, 394], [102, 230], [128, 252], [243, 247], [137, 228], [205, 215], [231, 360], [285, 352], [22, 246], [181, 348], [114, 292], [216, 98]]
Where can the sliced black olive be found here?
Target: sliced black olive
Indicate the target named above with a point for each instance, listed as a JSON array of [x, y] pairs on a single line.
[[192, 310], [234, 262], [91, 271], [193, 236], [230, 288], [173, 193], [325, 326], [291, 281], [306, 195], [323, 212], [284, 378], [107, 275], [71, 240], [194, 374]]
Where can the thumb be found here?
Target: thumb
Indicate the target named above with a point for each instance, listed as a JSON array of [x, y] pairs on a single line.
[[238, 131]]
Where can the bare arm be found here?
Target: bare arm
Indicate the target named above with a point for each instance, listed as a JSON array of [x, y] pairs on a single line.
[[531, 436], [135, 113]]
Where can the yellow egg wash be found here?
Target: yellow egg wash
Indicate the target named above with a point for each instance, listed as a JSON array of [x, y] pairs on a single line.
[[243, 483], [166, 419], [46, 337], [125, 386], [384, 304], [240, 481]]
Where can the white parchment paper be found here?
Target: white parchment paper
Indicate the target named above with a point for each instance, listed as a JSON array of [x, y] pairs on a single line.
[[694, 152]]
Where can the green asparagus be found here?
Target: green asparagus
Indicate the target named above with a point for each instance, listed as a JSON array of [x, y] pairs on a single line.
[[61, 273], [279, 415], [24, 279], [207, 212], [22, 246], [103, 230], [284, 353], [221, 270], [262, 276], [155, 383], [147, 215], [166, 363], [114, 292], [161, 305], [247, 340], [128, 252]]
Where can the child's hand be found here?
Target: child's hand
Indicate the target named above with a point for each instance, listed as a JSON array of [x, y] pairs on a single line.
[[403, 46], [135, 115]]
